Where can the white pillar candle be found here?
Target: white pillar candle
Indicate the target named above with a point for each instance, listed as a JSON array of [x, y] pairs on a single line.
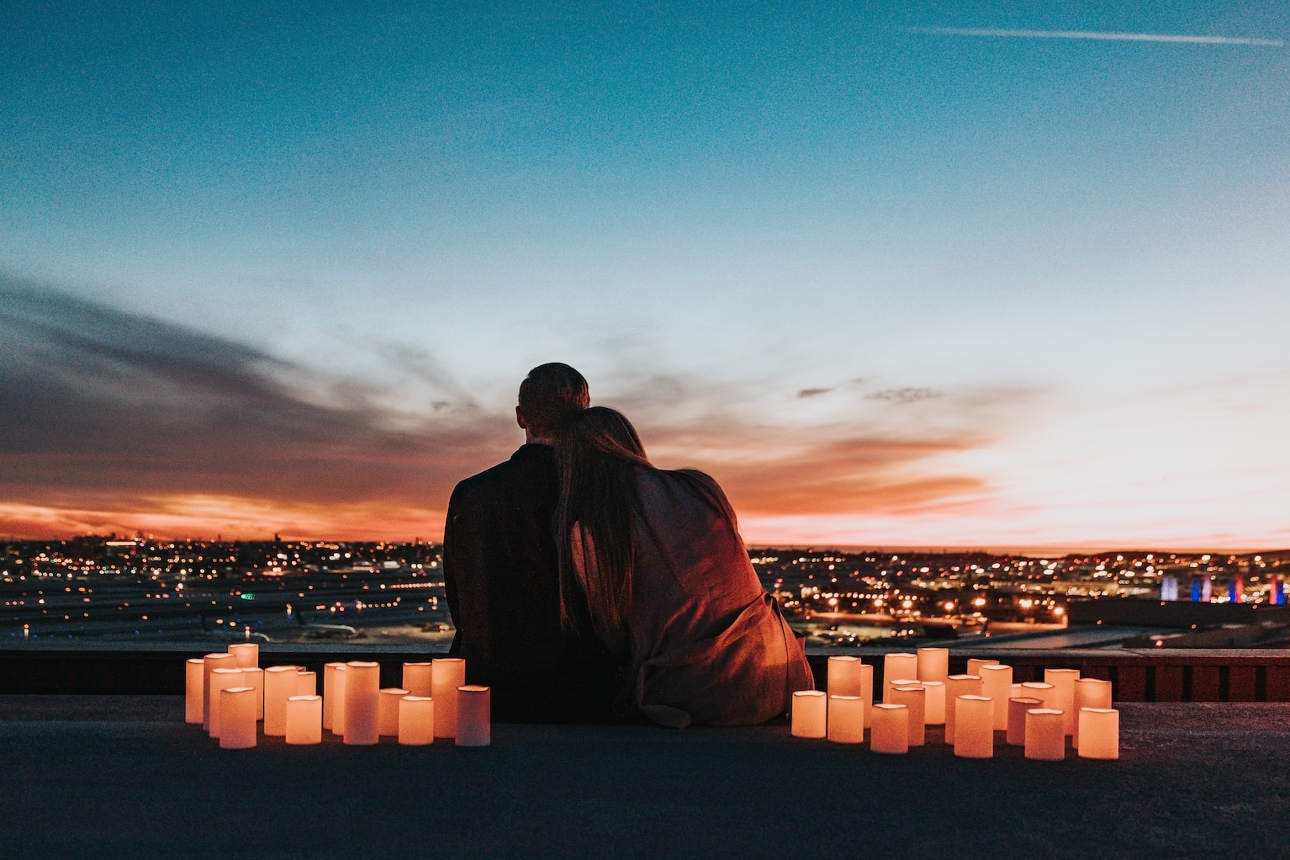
[[844, 676], [449, 674], [1017, 707], [866, 689], [247, 654], [933, 664], [362, 702], [387, 711], [418, 679], [254, 677], [935, 713], [280, 684], [1089, 693], [1064, 682], [304, 719], [890, 730], [1099, 730], [897, 665], [810, 714], [236, 718], [416, 721], [846, 719], [338, 708], [955, 686], [915, 699], [996, 683], [1045, 734], [474, 716], [1040, 690], [974, 665], [1016, 691], [221, 679], [194, 695], [330, 694], [306, 683], [974, 727], [211, 662]]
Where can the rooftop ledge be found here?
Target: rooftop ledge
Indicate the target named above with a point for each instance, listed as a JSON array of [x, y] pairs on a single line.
[[122, 776], [1136, 675]]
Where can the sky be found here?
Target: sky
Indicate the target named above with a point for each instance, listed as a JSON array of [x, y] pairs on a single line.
[[895, 274]]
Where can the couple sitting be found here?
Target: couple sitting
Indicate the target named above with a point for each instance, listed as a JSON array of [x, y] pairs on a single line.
[[585, 582]]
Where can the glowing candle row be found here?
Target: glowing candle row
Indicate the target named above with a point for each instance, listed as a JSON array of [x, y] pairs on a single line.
[[352, 706], [933, 697]]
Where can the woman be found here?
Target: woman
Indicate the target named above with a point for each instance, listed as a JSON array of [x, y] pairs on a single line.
[[655, 559]]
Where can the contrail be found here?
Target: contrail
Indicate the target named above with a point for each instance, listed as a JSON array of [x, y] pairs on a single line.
[[1101, 37]]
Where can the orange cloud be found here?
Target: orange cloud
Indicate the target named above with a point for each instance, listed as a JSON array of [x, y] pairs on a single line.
[[114, 422]]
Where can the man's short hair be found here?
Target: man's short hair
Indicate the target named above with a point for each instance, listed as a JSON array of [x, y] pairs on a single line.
[[551, 395]]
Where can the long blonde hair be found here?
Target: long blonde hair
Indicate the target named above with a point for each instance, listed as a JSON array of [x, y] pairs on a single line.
[[598, 454]]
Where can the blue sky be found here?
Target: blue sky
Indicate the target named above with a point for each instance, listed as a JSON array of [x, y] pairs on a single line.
[[889, 285]]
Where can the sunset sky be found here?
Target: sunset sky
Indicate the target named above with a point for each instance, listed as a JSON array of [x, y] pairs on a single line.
[[896, 274]]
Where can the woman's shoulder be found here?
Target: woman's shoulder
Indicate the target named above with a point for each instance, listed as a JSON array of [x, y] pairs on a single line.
[[696, 484]]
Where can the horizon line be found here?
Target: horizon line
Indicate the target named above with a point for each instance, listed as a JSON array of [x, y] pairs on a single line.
[[1030, 550]]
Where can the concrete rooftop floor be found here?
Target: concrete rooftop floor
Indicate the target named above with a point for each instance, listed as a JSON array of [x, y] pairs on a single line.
[[105, 776]]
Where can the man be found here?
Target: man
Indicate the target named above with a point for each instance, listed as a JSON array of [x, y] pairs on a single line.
[[502, 575]]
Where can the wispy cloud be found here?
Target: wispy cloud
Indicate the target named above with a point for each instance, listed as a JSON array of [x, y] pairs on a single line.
[[904, 395], [999, 33]]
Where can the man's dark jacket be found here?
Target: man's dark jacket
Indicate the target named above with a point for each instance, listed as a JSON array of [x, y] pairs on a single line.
[[501, 574]]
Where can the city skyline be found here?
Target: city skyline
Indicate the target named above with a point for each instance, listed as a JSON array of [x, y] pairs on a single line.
[[895, 275]]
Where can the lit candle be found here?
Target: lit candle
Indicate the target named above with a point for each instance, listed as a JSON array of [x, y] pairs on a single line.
[[897, 665], [866, 689], [221, 679], [306, 683], [935, 713], [974, 665], [915, 699], [933, 664], [844, 676], [416, 721], [1099, 730], [810, 714], [449, 674], [1064, 682], [194, 695], [280, 684], [974, 727], [955, 686], [210, 663], [304, 719], [338, 707], [362, 702], [418, 679], [236, 717], [1040, 690], [1045, 734], [1017, 707], [247, 654], [890, 731], [254, 677], [1090, 693], [996, 683], [474, 716], [846, 719], [330, 694], [387, 711]]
